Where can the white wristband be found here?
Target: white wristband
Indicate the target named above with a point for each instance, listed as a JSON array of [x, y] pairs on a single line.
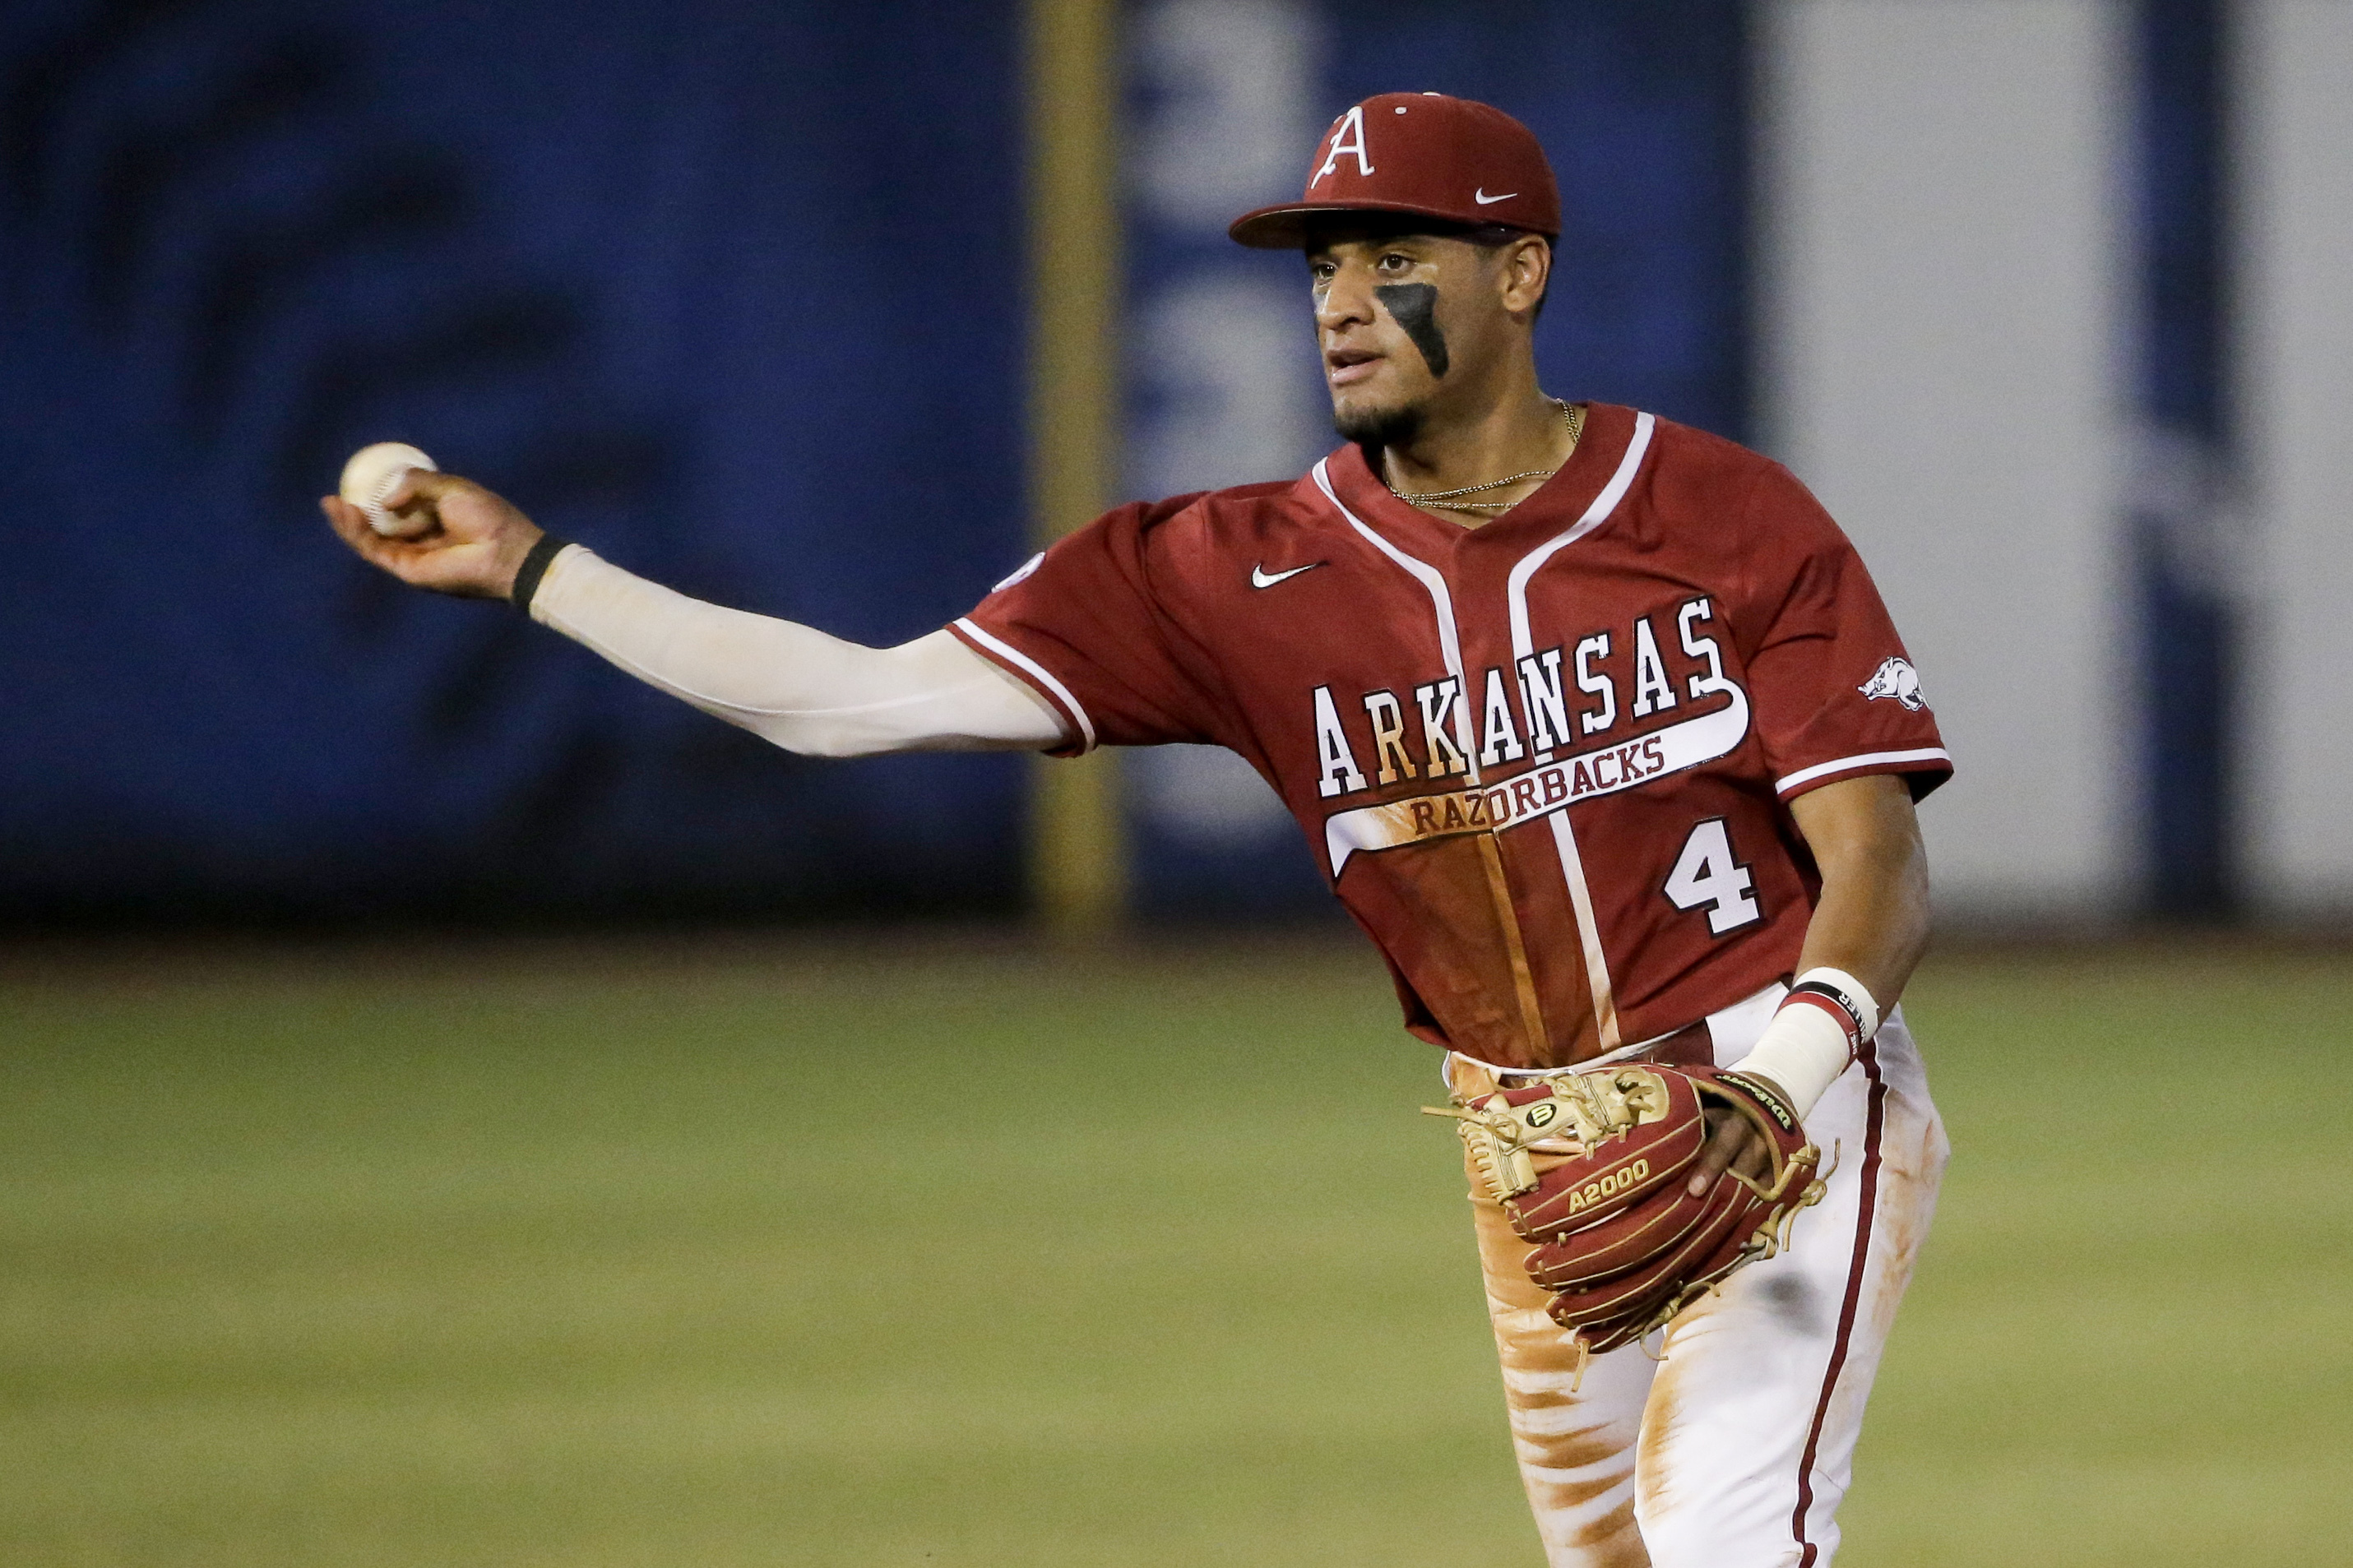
[[1858, 1004], [1803, 1050], [1827, 1016]]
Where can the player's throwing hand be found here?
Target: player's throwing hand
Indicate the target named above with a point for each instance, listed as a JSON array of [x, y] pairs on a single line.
[[474, 545]]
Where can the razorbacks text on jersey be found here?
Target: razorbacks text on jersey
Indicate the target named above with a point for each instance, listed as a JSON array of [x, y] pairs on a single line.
[[1544, 760]]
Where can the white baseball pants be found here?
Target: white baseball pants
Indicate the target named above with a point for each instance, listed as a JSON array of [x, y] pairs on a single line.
[[1734, 1448]]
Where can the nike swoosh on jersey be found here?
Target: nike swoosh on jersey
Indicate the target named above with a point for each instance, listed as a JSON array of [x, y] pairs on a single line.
[[1484, 200], [1261, 578]]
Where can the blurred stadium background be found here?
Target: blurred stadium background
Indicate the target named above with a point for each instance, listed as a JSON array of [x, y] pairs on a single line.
[[449, 1094]]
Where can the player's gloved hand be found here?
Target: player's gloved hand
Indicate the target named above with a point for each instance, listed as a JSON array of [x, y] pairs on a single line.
[[1594, 1168], [474, 548]]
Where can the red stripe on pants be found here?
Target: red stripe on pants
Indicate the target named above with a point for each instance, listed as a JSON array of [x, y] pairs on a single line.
[[1875, 1118]]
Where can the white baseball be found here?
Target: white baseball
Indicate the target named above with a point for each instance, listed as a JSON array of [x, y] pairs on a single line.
[[373, 474]]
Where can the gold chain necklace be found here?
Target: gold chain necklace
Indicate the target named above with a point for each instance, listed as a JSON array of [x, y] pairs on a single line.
[[1573, 413]]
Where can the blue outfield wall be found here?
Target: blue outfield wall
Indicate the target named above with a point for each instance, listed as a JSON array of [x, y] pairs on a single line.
[[729, 292], [733, 293], [2187, 484]]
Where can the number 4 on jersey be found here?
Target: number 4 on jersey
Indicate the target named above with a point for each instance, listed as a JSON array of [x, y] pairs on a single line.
[[1707, 876]]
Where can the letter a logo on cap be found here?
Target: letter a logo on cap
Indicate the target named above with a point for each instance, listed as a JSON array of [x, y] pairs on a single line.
[[1447, 158], [1352, 121]]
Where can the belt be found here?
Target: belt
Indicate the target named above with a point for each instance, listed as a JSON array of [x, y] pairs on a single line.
[[1692, 1045]]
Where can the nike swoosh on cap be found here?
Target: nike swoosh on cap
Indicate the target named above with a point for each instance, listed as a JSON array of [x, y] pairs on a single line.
[[1484, 200], [1261, 578]]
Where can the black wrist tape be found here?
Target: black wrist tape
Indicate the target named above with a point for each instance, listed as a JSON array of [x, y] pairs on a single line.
[[534, 567]]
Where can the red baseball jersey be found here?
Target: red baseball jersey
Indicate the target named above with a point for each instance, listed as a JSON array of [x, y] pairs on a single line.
[[1545, 762]]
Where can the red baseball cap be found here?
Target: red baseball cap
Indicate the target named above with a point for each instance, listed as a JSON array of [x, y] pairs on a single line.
[[1419, 152]]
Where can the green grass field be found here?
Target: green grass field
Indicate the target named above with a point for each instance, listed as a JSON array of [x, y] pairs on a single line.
[[933, 1254]]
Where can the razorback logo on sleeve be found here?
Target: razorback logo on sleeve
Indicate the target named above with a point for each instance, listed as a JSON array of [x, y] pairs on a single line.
[[1895, 677]]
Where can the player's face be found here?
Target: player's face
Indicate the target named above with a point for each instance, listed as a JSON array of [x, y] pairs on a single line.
[[1408, 323]]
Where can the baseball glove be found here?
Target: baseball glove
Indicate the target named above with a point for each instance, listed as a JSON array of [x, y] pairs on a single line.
[[1591, 1168]]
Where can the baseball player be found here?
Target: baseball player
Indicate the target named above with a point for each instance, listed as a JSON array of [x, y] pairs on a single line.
[[1596, 722]]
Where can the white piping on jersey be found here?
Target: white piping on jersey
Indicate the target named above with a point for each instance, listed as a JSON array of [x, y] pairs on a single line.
[[1867, 759], [1589, 930], [1572, 864], [1063, 692], [1522, 641], [1449, 643]]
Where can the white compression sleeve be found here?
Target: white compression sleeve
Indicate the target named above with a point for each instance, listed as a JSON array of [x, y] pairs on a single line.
[[792, 684]]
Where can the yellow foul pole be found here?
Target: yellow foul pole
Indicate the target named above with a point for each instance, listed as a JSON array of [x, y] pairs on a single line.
[[1078, 861]]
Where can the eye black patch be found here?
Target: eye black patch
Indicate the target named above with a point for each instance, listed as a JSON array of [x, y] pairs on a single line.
[[1414, 307]]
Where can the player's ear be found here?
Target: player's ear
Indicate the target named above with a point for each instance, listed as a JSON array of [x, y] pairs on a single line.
[[1524, 267]]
